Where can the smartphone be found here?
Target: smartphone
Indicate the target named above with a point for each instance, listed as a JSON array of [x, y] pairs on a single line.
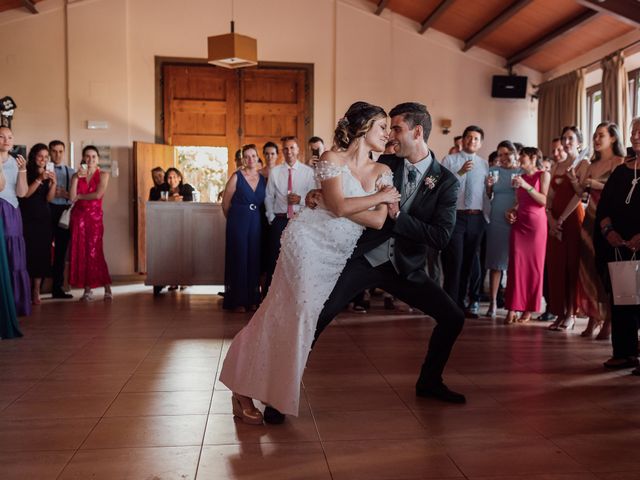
[[18, 150], [315, 152], [50, 167], [84, 167], [631, 152]]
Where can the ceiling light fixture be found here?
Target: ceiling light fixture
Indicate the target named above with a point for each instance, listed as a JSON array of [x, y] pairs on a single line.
[[232, 50]]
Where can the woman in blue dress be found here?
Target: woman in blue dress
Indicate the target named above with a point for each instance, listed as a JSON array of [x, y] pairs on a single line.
[[243, 195], [502, 195], [8, 320]]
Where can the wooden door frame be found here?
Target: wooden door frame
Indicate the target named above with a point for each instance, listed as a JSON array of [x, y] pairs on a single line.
[[308, 68]]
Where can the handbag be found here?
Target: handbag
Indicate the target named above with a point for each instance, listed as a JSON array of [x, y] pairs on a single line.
[[65, 218], [625, 280]]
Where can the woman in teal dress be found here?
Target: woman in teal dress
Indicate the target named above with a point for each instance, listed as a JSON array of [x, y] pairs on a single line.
[[503, 197], [8, 319]]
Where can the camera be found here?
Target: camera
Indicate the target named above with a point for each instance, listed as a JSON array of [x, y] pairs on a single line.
[[18, 150]]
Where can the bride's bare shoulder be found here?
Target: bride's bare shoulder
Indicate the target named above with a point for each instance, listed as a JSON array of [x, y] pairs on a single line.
[[381, 168]]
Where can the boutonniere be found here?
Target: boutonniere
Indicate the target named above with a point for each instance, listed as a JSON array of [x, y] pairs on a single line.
[[431, 181]]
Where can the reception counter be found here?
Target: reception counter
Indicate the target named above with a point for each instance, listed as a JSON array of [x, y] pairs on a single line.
[[185, 243]]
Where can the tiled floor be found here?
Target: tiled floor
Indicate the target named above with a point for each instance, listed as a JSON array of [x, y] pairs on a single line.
[[128, 390]]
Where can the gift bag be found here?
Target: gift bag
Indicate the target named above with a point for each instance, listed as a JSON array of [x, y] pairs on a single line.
[[625, 280], [65, 218]]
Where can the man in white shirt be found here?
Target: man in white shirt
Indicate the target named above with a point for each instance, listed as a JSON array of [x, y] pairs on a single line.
[[471, 170], [287, 188]]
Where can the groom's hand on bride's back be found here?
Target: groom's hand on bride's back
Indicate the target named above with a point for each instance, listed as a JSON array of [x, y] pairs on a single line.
[[313, 198]]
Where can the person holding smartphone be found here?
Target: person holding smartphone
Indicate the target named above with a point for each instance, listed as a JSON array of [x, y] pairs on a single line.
[[316, 148], [36, 216], [58, 205], [15, 174], [88, 266]]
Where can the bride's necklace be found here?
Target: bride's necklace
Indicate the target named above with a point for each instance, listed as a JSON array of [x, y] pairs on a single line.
[[634, 182]]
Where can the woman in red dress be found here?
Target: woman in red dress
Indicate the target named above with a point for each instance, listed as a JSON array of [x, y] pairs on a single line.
[[88, 266], [528, 240], [563, 248]]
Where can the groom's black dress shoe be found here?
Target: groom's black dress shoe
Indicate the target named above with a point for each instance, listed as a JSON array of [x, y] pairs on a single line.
[[273, 416], [439, 391]]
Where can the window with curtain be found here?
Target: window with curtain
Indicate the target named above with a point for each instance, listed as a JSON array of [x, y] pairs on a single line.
[[594, 109], [634, 93]]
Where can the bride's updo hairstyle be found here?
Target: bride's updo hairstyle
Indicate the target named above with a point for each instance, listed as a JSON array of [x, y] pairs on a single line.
[[356, 123]]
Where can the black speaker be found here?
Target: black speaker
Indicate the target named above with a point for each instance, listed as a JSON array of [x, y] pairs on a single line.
[[509, 86]]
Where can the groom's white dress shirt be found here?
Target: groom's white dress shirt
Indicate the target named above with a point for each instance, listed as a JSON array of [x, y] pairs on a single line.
[[303, 181]]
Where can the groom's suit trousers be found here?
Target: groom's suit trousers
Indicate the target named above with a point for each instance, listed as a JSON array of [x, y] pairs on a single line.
[[426, 296]]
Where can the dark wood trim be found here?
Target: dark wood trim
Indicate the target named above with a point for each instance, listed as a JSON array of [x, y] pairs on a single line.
[[626, 11], [159, 97], [437, 13], [494, 24], [554, 35], [382, 4], [29, 5]]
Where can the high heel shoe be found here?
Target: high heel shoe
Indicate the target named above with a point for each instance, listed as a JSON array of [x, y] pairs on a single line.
[[555, 326], [491, 312], [605, 331], [526, 316], [250, 415], [567, 324], [591, 328], [510, 318]]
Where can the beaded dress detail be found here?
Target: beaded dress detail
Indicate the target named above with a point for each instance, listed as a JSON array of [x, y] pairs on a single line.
[[267, 358]]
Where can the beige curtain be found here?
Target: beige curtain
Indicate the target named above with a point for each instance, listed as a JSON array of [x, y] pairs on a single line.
[[561, 102], [615, 93]]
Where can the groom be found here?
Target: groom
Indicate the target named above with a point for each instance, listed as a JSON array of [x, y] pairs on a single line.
[[394, 257]]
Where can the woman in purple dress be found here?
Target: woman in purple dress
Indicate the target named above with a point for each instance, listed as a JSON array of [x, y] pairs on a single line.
[[528, 240], [15, 174]]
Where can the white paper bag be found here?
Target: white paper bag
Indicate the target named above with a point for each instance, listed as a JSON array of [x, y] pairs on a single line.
[[625, 280]]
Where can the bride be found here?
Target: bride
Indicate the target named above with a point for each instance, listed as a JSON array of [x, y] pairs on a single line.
[[267, 358]]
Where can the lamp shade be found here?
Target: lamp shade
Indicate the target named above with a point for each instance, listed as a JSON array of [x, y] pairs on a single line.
[[233, 50]]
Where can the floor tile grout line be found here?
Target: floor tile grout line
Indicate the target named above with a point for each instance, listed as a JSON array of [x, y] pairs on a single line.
[[315, 424], [206, 423]]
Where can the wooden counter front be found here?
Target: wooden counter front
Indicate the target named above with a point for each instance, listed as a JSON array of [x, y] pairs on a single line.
[[185, 243]]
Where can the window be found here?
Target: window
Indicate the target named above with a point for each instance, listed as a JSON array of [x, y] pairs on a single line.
[[594, 110], [634, 93]]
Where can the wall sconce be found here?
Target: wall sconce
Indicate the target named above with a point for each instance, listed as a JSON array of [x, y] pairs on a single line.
[[445, 125]]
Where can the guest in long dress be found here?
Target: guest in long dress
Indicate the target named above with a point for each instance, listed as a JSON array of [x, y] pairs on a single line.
[[528, 240], [592, 297], [36, 216], [88, 265], [503, 197], [8, 318], [243, 195], [564, 234], [618, 229], [15, 185]]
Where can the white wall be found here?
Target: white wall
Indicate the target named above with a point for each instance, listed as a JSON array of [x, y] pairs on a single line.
[[111, 65]]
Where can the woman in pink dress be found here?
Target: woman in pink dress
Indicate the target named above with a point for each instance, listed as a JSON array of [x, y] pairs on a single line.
[[88, 266], [528, 240]]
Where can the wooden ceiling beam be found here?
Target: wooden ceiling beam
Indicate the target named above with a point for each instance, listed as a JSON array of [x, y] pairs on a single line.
[[433, 16], [627, 11], [554, 35], [29, 5], [494, 24], [382, 4]]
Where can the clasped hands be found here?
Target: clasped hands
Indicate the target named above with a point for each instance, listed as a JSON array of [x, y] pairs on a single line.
[[615, 240]]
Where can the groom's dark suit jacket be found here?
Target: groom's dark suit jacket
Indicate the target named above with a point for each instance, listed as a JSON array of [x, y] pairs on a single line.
[[428, 224]]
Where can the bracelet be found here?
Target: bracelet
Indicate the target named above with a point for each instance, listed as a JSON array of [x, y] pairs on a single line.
[[22, 171], [529, 190]]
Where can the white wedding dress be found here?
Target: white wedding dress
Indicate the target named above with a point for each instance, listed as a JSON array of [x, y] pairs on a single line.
[[267, 358]]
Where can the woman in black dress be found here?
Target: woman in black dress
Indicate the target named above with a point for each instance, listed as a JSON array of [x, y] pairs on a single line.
[[618, 219], [36, 216]]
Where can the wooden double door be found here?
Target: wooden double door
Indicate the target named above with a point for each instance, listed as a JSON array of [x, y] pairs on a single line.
[[203, 105], [212, 106]]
